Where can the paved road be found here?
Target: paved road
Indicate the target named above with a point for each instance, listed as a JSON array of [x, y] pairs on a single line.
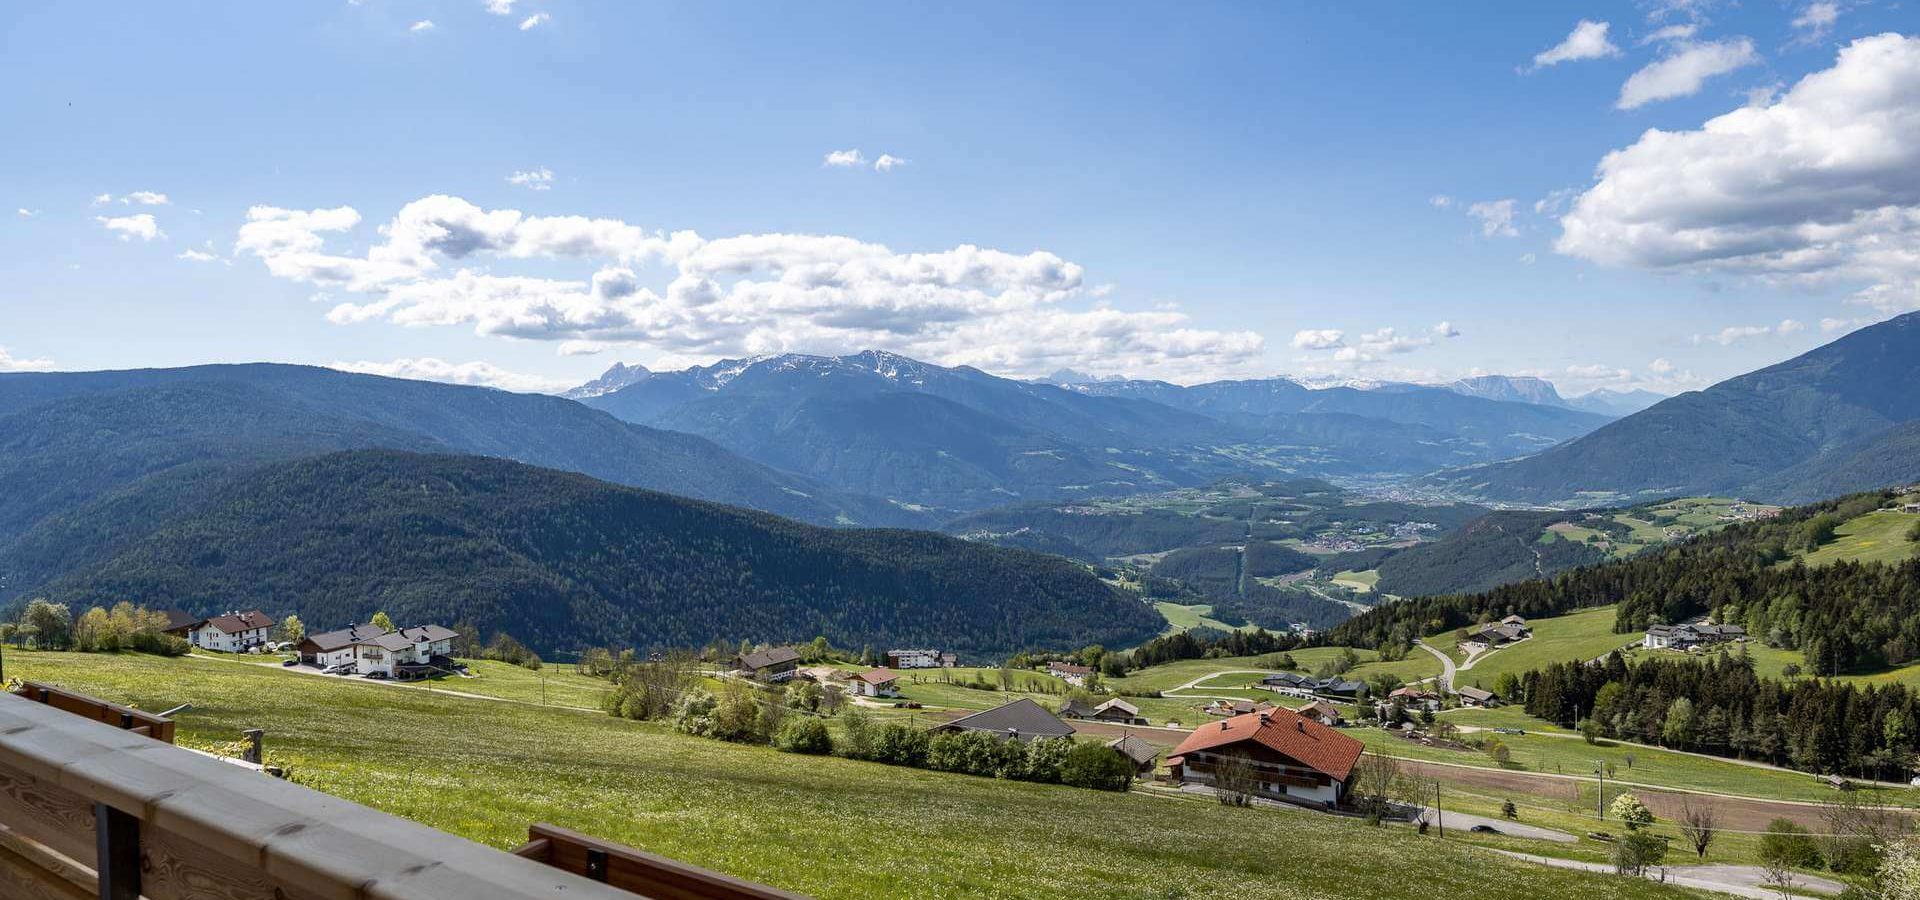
[[1446, 666], [1740, 881], [1464, 821]]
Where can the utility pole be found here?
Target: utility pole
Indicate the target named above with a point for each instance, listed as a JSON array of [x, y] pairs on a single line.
[[1439, 815], [1600, 797]]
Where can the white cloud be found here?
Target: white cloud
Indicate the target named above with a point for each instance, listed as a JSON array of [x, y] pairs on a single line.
[[500, 7], [146, 198], [533, 179], [1588, 40], [887, 163], [1555, 200], [741, 295], [1597, 372], [422, 25], [1734, 334], [201, 256], [1496, 218], [1683, 72], [845, 159], [102, 199], [26, 213], [1823, 184], [127, 228], [482, 374], [1319, 339], [11, 363], [1527, 259], [1670, 34], [533, 21], [1445, 330], [1440, 201], [1763, 94], [1816, 20], [1660, 366], [1387, 340]]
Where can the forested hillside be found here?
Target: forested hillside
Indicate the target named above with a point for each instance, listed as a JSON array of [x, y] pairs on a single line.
[[1498, 548], [90, 461], [560, 560], [1845, 616]]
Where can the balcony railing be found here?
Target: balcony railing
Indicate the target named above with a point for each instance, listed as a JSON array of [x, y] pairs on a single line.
[[92, 805]]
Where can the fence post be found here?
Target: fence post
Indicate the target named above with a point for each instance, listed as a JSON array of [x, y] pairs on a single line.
[[117, 839], [254, 754]]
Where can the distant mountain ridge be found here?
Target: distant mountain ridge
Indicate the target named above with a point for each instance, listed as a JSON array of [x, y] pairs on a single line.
[[1830, 421], [960, 439], [561, 561], [141, 443]]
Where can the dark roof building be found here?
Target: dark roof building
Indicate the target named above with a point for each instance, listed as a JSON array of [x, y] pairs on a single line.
[[1137, 751], [1022, 719], [770, 664], [239, 622], [329, 641], [180, 621], [1076, 709]]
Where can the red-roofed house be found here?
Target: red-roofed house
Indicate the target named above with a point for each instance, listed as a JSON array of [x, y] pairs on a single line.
[[1070, 673], [1295, 759], [874, 683]]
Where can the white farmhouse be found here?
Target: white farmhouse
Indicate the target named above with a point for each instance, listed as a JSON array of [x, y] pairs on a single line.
[[231, 632]]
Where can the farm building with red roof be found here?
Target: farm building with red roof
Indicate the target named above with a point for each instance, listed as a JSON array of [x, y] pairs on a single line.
[[1294, 759]]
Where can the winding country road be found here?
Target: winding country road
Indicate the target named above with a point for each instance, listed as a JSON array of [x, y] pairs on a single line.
[[1446, 665]]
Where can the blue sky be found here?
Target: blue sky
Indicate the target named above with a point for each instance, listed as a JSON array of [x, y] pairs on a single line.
[[1188, 192]]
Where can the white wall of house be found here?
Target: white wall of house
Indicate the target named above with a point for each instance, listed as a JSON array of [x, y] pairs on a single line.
[[369, 658], [339, 657], [208, 637]]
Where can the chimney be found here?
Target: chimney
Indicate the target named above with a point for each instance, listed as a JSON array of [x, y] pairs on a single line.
[[1300, 725], [1223, 724]]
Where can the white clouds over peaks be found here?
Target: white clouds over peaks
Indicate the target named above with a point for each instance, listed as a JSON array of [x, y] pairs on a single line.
[[11, 363], [146, 198], [127, 228], [854, 159], [533, 179], [1496, 218], [1444, 330], [740, 295], [1685, 70], [1319, 339], [482, 374], [1588, 40], [1736, 333], [1823, 183]]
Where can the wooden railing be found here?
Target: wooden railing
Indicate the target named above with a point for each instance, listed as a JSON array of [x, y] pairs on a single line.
[[124, 717], [89, 808], [633, 870]]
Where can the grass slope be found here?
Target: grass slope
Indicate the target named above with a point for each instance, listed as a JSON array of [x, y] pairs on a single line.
[[1587, 634], [827, 827], [1879, 536]]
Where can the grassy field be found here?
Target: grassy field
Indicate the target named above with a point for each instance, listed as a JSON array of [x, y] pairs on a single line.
[[1360, 581], [826, 827], [1182, 617], [1879, 536], [1584, 635], [1417, 665]]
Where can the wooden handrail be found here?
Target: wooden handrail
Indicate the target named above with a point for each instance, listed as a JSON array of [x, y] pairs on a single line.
[[126, 717], [82, 799], [638, 871]]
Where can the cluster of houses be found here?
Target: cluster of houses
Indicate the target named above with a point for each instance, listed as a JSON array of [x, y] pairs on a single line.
[[1309, 688], [375, 652], [921, 659], [1116, 710], [229, 632], [1509, 630], [1690, 635], [1068, 672]]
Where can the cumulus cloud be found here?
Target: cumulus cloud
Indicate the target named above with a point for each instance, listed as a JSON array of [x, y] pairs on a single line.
[[1555, 201], [1440, 201], [1319, 339], [887, 163], [1496, 218], [691, 297], [1821, 184], [11, 363], [1816, 20], [1444, 330], [127, 228], [1685, 70], [422, 25], [1660, 366], [1588, 40], [26, 213], [146, 198], [1387, 340], [480, 374], [533, 179], [201, 256], [845, 159], [501, 7], [1734, 334], [1670, 34], [102, 199], [534, 21]]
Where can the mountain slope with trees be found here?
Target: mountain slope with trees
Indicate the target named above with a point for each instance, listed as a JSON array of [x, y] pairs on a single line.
[[1818, 419], [561, 560]]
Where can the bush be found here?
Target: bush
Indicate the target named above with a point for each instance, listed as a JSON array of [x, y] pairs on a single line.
[[804, 734], [1788, 844], [1631, 812], [1096, 766], [694, 713], [859, 734], [900, 745], [1637, 852], [1045, 758]]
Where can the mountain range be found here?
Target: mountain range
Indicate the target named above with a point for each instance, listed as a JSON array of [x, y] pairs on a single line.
[[1530, 389], [560, 561], [958, 439], [1837, 419], [89, 461]]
